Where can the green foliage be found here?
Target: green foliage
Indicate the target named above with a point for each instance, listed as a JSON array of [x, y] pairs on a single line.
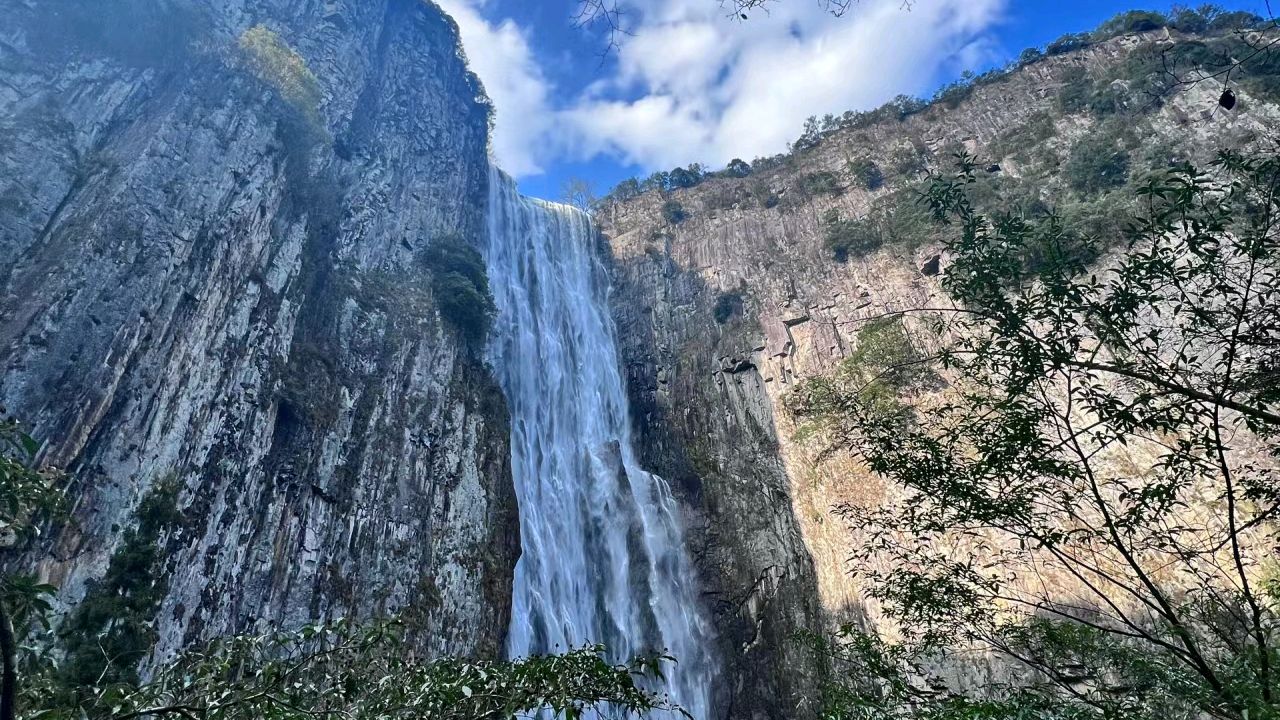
[[956, 92], [460, 284], [1068, 43], [728, 305], [28, 493], [1131, 21], [1018, 140], [1148, 78], [366, 672], [1096, 432], [277, 64], [110, 631], [737, 168], [908, 161], [866, 173], [29, 497], [884, 363], [845, 237], [1080, 93], [822, 182], [673, 212], [1097, 162]]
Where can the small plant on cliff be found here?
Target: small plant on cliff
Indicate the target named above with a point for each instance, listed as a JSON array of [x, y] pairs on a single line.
[[460, 285], [1098, 162], [851, 237], [728, 305], [1095, 498], [867, 173], [281, 67], [822, 182], [673, 212]]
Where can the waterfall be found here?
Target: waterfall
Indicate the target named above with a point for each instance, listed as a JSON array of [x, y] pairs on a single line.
[[603, 559]]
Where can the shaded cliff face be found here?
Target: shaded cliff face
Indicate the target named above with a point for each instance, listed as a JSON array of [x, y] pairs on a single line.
[[210, 271], [724, 311]]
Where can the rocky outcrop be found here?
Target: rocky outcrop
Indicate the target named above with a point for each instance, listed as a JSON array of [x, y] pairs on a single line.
[[210, 271], [721, 313]]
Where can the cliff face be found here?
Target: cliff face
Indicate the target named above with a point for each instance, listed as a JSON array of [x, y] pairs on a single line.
[[725, 310], [211, 223]]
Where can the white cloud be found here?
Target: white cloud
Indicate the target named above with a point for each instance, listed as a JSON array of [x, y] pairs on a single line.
[[500, 55], [743, 89], [692, 85]]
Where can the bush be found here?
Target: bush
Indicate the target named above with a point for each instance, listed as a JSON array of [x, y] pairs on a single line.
[[461, 286], [1081, 93], [1076, 89], [1067, 43], [737, 168], [1132, 21], [673, 212], [728, 305], [1029, 56], [1098, 162], [281, 67], [845, 237], [908, 161], [820, 183], [866, 173]]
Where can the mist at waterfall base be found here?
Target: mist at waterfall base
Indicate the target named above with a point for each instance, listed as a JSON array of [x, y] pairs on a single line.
[[602, 558]]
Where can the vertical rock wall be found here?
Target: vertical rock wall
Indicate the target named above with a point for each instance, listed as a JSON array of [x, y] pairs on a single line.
[[203, 278], [722, 313]]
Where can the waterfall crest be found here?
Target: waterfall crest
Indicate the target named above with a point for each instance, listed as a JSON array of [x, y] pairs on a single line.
[[603, 559]]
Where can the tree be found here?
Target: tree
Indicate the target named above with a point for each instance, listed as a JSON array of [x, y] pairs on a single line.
[[1094, 498], [1096, 163], [579, 193], [28, 495], [348, 670], [737, 167]]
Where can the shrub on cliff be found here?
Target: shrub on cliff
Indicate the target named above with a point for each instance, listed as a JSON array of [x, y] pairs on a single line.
[[1097, 162], [851, 237], [673, 212], [277, 64], [728, 305], [866, 173], [460, 285], [822, 182]]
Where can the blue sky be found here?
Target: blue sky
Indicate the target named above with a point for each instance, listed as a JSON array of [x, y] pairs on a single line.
[[692, 84]]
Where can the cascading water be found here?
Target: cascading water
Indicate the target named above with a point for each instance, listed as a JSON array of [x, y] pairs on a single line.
[[603, 558]]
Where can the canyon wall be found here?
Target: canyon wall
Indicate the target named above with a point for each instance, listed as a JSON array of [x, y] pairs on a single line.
[[728, 294], [212, 221]]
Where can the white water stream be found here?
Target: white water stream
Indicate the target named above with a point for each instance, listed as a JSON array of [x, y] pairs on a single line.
[[602, 557]]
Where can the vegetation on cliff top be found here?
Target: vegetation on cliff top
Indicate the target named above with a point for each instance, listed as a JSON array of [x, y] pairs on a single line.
[[1217, 42]]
